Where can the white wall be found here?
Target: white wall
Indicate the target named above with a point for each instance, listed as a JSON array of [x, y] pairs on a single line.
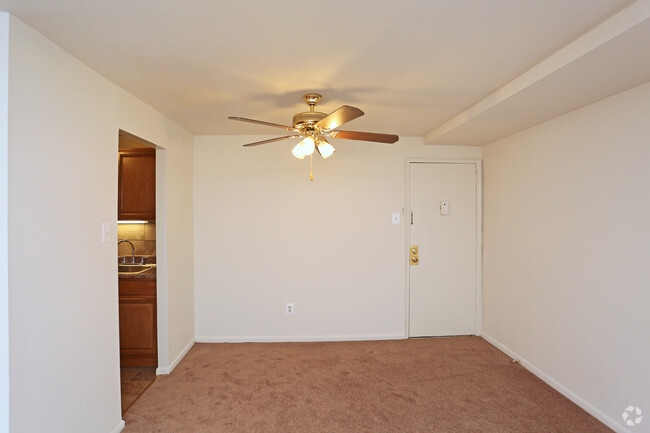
[[265, 235], [4, 201], [567, 252], [63, 136]]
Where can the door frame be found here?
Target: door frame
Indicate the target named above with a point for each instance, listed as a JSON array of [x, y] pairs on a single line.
[[478, 166], [162, 314]]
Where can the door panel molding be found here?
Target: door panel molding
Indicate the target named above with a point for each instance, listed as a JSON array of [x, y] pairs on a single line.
[[477, 162]]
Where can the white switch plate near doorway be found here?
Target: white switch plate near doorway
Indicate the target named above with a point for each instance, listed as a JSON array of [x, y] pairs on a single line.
[[106, 232]]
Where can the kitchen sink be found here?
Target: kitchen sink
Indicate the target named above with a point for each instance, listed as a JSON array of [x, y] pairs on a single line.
[[133, 269]]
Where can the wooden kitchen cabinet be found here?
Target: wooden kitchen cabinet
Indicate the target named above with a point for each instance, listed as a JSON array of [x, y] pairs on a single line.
[[138, 324], [137, 184]]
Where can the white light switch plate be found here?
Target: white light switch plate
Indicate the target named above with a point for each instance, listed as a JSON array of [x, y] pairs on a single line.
[[396, 218], [106, 232]]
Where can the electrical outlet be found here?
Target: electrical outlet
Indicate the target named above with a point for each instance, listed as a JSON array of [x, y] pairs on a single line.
[[289, 308]]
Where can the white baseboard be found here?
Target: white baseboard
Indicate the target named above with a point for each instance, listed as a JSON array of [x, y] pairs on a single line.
[[301, 338], [592, 410], [168, 369], [119, 427]]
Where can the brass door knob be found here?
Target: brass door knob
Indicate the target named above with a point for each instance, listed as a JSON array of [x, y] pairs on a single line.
[[414, 259]]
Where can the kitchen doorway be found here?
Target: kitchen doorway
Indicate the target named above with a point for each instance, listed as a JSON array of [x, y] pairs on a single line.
[[137, 266]]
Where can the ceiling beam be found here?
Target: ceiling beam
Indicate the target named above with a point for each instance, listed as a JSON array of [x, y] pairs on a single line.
[[473, 126]]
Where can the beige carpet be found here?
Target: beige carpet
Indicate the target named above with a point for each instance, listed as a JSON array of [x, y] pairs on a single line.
[[460, 384]]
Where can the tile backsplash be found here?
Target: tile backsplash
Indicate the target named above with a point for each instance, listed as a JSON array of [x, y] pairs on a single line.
[[142, 235]]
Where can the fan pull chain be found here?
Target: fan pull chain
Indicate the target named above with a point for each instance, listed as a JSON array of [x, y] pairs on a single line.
[[311, 165]]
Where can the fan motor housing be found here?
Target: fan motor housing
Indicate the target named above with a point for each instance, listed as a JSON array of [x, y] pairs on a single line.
[[307, 120]]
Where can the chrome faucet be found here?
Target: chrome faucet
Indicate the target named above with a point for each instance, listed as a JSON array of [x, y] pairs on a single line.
[[132, 249]]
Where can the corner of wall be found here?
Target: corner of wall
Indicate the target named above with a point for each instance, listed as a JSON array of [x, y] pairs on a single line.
[[4, 228]]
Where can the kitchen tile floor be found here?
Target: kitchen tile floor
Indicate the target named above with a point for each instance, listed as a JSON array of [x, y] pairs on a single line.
[[134, 381]]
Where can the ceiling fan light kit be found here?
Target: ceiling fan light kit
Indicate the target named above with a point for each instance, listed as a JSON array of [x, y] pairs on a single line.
[[324, 148], [304, 148], [313, 126]]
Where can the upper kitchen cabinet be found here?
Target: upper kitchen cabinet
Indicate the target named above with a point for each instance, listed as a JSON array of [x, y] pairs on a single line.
[[137, 184]]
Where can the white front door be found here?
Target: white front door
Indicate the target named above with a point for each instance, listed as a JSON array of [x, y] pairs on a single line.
[[442, 221]]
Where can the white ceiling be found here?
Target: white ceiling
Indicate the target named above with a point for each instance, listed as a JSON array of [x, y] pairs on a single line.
[[411, 65]]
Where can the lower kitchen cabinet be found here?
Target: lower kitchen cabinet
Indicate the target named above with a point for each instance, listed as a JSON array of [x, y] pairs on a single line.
[[138, 323]]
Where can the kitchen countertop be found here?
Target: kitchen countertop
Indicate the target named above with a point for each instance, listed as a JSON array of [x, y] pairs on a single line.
[[149, 274]]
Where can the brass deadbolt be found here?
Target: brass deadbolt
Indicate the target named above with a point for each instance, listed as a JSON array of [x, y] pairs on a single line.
[[413, 255]]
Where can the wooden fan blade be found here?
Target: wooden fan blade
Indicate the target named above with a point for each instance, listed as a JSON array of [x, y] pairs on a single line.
[[259, 122], [339, 117], [365, 136], [257, 143]]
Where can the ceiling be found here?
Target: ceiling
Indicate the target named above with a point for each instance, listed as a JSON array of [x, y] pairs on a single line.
[[417, 68]]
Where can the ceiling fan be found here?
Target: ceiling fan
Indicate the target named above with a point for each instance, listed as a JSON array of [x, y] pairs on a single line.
[[313, 127]]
